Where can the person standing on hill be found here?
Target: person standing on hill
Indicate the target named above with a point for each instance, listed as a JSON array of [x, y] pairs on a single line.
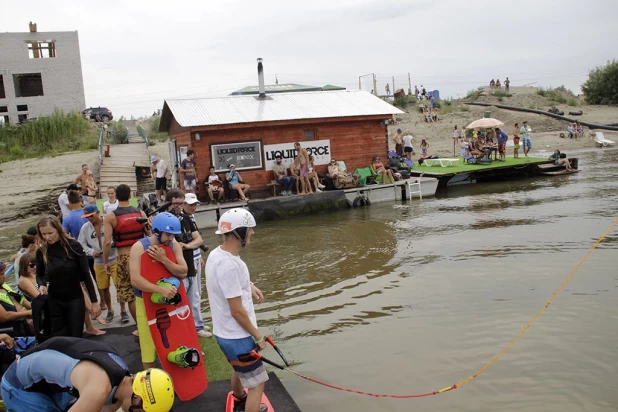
[[122, 226], [187, 167], [524, 131], [407, 145]]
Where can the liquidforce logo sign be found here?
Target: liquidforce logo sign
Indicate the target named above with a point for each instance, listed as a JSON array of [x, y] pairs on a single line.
[[244, 155], [319, 149]]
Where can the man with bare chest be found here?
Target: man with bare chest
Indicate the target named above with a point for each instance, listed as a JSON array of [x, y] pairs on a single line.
[[303, 158]]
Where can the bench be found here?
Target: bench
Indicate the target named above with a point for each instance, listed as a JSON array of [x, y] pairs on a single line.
[[274, 185]]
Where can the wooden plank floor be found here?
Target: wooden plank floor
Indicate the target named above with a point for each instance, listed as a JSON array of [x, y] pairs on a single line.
[[120, 167]]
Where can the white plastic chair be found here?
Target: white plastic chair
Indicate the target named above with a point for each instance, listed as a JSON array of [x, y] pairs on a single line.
[[601, 141], [415, 183]]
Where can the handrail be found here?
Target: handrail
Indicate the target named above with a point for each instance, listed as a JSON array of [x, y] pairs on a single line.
[[100, 146], [142, 132]]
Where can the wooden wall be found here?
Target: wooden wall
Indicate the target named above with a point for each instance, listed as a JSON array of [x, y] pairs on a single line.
[[355, 142]]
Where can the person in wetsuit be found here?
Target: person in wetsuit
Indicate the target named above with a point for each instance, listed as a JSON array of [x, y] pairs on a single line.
[[61, 269], [82, 375]]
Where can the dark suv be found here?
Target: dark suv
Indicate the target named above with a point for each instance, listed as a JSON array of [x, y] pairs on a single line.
[[102, 114]]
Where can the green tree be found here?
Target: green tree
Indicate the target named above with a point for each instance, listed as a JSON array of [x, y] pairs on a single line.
[[602, 84]]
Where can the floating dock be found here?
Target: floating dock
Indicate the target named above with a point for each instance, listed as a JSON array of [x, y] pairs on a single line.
[[281, 207], [462, 172]]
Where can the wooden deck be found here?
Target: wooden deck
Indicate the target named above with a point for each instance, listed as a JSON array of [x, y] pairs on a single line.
[[121, 166]]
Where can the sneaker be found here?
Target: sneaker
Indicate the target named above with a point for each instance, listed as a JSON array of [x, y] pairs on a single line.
[[124, 317], [206, 327], [184, 357], [321, 186], [318, 190], [110, 316], [203, 333]]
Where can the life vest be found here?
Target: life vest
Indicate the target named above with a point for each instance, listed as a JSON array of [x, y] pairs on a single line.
[[127, 230], [5, 298]]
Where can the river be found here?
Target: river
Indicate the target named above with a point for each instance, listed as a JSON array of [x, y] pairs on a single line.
[[410, 298], [413, 297]]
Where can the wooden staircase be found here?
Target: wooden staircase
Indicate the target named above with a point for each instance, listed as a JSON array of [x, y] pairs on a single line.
[[125, 163]]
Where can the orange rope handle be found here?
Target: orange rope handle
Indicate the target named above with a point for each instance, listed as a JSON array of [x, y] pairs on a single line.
[[488, 364], [543, 309]]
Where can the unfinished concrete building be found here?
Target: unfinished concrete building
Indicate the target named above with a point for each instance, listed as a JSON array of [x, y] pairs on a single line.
[[39, 72]]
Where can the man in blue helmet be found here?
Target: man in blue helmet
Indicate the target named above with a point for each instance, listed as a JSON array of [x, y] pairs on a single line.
[[164, 227]]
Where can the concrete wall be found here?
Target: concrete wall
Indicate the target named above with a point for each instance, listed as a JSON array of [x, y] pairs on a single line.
[[63, 84]]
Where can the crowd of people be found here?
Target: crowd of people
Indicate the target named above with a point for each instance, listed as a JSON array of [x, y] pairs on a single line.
[[66, 269], [495, 84]]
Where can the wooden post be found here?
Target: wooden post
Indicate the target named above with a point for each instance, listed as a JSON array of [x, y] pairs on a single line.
[[394, 88], [409, 85]]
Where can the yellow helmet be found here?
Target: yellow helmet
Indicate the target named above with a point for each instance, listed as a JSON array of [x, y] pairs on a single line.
[[156, 389]]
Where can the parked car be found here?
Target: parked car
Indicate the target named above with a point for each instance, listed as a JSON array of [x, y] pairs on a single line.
[[102, 114]]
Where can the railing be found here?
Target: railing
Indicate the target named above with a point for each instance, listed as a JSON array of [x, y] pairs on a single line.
[[142, 133], [100, 146]]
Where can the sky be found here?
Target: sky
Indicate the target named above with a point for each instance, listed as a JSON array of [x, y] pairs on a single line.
[[137, 53]]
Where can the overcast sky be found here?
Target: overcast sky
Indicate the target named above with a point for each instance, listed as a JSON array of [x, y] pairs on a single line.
[[137, 53]]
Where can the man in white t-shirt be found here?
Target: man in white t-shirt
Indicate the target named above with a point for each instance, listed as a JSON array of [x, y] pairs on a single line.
[[231, 294], [63, 200], [159, 171]]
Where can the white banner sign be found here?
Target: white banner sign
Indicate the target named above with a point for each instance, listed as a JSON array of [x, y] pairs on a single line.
[[319, 149]]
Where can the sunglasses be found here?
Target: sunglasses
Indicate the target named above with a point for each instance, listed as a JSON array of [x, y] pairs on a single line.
[[32, 265]]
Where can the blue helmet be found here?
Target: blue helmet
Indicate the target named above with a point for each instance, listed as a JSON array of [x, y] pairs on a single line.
[[166, 223]]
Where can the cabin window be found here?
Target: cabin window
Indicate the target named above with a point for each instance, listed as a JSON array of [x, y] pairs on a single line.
[[41, 50], [309, 134]]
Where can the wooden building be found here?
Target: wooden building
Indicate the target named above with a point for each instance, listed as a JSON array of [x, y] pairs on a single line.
[[249, 131]]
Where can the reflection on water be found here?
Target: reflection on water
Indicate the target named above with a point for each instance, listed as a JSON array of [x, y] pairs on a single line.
[[413, 297]]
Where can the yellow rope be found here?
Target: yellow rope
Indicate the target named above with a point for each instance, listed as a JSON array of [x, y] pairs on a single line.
[[540, 312]]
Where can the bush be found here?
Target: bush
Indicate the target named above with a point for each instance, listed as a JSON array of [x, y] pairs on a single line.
[[500, 94], [500, 98], [401, 102], [119, 131], [464, 108], [151, 125], [558, 95], [47, 135], [473, 94], [572, 101], [602, 84]]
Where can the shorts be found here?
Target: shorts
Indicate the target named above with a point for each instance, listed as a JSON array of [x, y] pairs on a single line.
[[527, 143], [17, 398], [408, 149], [516, 146], [304, 171], [190, 184], [160, 183], [103, 278], [557, 162], [124, 290], [250, 373], [146, 344], [502, 148]]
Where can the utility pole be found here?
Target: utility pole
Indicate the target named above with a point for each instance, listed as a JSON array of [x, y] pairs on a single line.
[[409, 85], [394, 88], [375, 84]]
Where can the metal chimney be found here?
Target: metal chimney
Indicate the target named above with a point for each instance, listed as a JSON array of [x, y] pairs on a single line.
[[262, 94]]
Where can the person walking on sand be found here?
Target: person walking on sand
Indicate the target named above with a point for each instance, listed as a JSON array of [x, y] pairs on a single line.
[[516, 141], [524, 131], [303, 157], [398, 139], [231, 294]]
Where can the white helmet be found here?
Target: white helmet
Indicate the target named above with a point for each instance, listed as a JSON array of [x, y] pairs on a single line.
[[234, 219]]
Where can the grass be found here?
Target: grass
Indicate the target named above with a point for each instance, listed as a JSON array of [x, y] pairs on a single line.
[[572, 102], [45, 136], [152, 130], [473, 94], [464, 167], [560, 94], [500, 94], [217, 366]]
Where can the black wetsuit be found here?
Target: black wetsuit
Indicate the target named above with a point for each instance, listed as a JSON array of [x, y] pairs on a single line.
[[64, 272]]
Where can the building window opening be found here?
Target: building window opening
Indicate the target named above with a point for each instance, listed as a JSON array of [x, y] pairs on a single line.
[[4, 109], [22, 107], [28, 84], [41, 50], [2, 95], [309, 134], [22, 118], [4, 120]]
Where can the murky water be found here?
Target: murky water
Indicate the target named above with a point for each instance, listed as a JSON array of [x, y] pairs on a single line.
[[413, 297], [409, 298]]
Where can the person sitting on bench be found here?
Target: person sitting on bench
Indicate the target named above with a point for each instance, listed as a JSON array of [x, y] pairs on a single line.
[[236, 182], [214, 186], [560, 159]]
